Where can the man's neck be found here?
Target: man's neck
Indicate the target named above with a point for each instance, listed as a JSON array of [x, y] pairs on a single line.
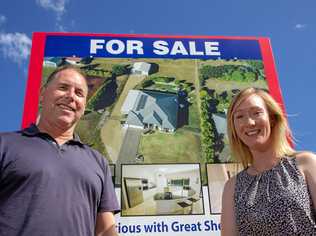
[[60, 134]]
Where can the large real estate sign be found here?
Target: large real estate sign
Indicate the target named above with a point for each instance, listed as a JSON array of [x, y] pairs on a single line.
[[156, 110]]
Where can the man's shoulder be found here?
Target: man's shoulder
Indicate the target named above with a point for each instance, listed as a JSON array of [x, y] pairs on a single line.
[[8, 136], [91, 149], [10, 141], [29, 131], [95, 153]]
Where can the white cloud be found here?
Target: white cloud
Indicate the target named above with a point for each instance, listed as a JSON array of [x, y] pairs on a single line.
[[300, 26], [57, 6], [59, 26], [15, 46], [3, 19]]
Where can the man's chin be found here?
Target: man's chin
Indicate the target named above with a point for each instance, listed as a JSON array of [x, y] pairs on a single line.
[[66, 123]]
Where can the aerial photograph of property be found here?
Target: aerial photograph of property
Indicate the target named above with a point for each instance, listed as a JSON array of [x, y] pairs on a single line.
[[158, 111], [173, 189]]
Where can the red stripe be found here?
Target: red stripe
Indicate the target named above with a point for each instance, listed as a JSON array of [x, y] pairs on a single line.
[[150, 36], [32, 94], [270, 71], [271, 74]]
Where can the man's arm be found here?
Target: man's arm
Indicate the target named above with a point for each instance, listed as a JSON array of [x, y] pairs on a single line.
[[105, 225]]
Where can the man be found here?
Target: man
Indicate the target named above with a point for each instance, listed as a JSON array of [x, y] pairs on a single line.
[[50, 182]]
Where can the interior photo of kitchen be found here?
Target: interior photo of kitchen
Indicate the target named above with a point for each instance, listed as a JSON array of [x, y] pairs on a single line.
[[217, 175], [169, 189]]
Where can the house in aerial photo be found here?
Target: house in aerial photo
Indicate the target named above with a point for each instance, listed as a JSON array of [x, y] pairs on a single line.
[[220, 121], [151, 110], [53, 62], [141, 68], [173, 189]]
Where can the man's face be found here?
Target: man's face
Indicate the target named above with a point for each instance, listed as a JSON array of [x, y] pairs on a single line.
[[64, 99]]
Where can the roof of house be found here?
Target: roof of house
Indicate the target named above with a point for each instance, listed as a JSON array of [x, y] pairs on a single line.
[[141, 66], [74, 59], [134, 119], [151, 107], [130, 100], [220, 123], [49, 63], [56, 60]]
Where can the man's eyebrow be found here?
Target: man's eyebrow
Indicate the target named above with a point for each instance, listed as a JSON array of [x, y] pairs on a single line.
[[63, 83]]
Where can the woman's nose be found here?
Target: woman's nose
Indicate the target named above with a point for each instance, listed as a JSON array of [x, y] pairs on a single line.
[[250, 121]]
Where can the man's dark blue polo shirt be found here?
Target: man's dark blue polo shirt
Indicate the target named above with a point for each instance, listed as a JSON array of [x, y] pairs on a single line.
[[47, 189]]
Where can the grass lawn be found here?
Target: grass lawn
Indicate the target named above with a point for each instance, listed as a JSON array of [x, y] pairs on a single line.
[[166, 87], [179, 69], [225, 85], [222, 62], [111, 136], [194, 115], [180, 147], [107, 63], [46, 72], [86, 129]]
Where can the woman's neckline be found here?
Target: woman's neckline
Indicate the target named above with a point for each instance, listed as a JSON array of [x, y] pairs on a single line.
[[260, 173]]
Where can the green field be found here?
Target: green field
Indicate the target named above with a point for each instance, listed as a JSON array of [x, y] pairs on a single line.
[[194, 115], [88, 132], [180, 147], [223, 85]]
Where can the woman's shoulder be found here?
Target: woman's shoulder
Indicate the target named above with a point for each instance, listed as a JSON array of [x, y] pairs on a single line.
[[304, 157], [306, 160]]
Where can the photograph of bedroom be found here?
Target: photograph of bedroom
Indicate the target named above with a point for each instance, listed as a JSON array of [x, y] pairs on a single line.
[[217, 175], [172, 189]]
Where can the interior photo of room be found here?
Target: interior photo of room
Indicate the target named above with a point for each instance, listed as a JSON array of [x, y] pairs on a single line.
[[173, 189], [217, 175]]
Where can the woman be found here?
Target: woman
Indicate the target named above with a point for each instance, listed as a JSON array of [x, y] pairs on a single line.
[[276, 192]]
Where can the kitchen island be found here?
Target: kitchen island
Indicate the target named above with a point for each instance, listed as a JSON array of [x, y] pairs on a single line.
[[176, 201]]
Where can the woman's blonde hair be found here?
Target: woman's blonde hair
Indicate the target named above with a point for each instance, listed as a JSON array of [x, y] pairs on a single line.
[[280, 133]]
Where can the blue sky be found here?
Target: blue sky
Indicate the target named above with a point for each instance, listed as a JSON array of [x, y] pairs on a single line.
[[289, 24]]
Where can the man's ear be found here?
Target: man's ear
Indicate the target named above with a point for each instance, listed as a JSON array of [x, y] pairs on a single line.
[[41, 94]]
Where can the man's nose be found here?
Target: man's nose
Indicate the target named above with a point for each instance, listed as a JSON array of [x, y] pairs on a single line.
[[70, 93]]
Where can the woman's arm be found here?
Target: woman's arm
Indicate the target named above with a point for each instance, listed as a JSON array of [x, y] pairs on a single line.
[[228, 223], [307, 165]]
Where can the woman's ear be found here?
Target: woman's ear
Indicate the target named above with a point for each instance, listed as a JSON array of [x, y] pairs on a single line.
[[272, 120]]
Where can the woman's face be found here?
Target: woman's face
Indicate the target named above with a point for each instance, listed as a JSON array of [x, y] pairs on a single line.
[[252, 123]]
